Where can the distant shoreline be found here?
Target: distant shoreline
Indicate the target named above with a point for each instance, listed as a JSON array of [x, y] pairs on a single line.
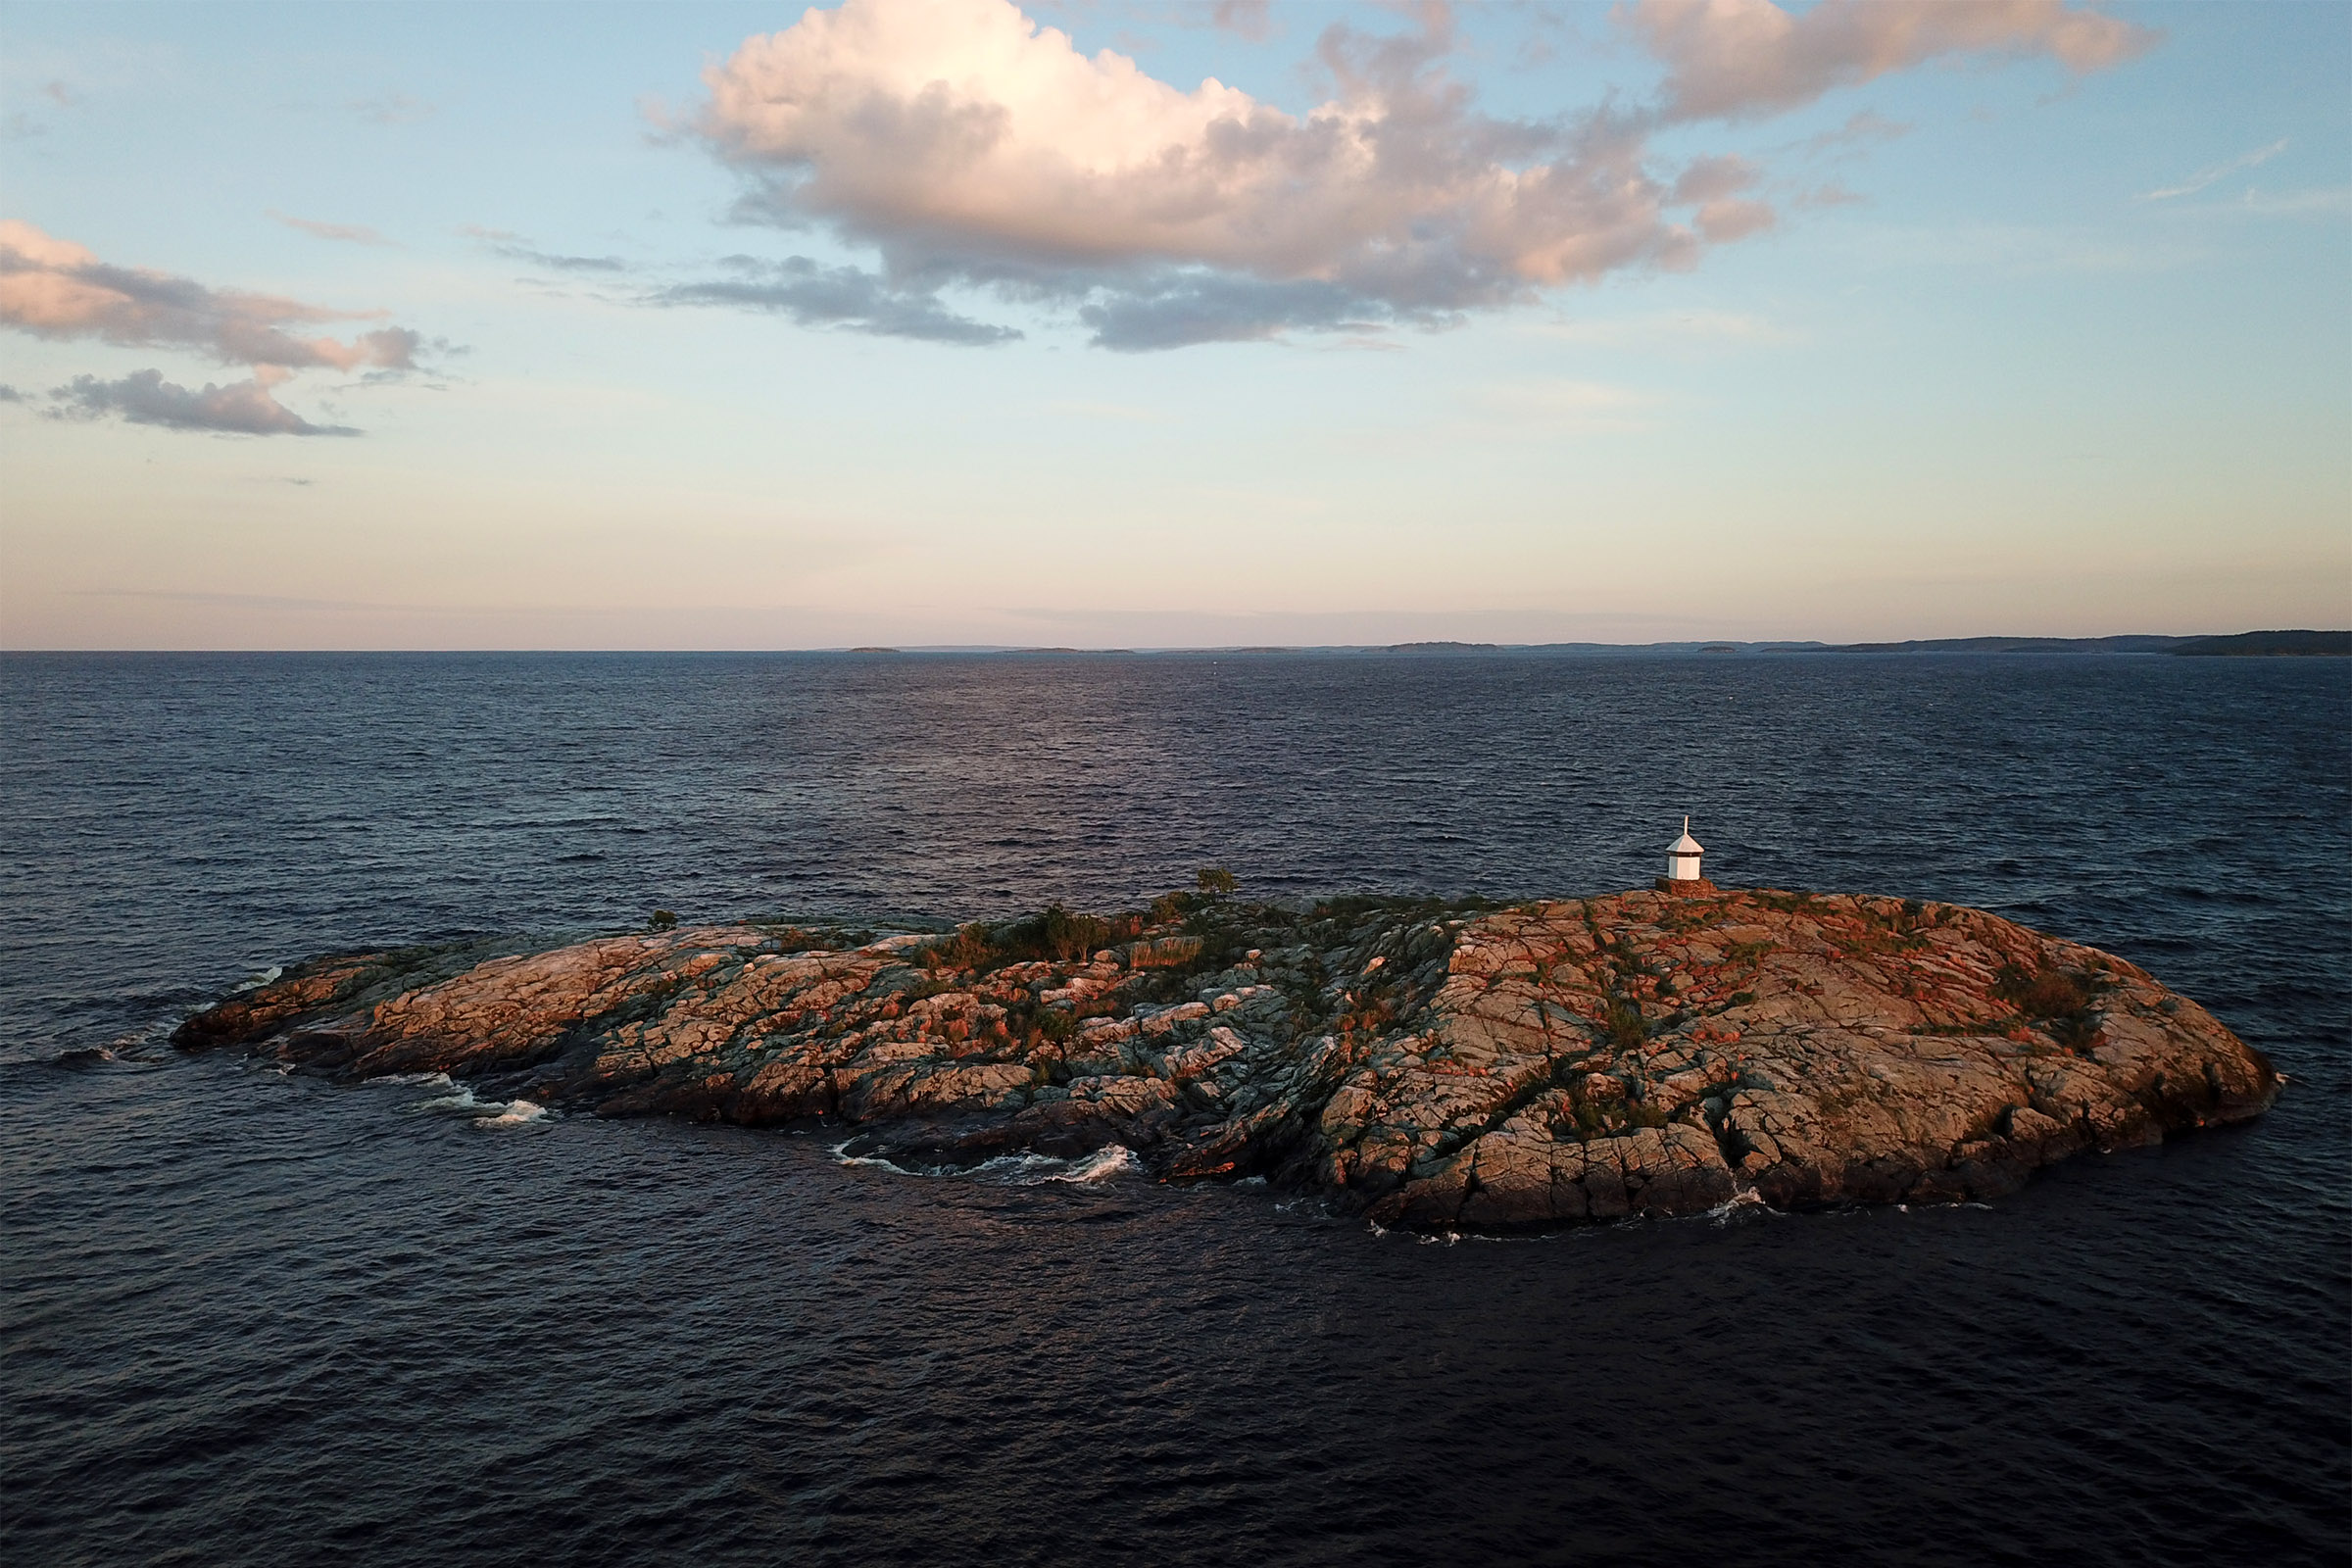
[[2293, 643]]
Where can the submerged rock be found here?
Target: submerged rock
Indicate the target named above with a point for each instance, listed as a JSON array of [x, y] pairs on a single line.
[[1438, 1067]]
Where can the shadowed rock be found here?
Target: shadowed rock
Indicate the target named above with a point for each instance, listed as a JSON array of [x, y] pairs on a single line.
[[1438, 1067]]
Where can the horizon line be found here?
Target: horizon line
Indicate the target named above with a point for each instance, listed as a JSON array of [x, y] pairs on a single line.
[[2154, 643]]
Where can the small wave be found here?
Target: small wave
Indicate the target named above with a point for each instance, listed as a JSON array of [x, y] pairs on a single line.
[[1108, 1164], [1745, 1199], [842, 1156], [461, 1099], [260, 978], [1012, 1170]]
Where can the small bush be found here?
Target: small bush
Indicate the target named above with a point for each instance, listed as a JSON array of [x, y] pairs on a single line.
[[968, 949], [2059, 1001], [660, 920], [1627, 1029], [2043, 994], [1216, 882], [1069, 936]]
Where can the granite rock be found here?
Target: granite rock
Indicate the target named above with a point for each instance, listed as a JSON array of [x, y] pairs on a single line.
[[1436, 1066]]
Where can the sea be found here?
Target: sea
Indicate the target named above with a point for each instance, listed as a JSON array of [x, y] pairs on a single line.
[[247, 1318]]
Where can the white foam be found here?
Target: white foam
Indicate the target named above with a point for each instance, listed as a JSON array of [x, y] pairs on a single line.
[[255, 982], [461, 1099], [1013, 1170], [1747, 1198], [875, 1160], [1108, 1164]]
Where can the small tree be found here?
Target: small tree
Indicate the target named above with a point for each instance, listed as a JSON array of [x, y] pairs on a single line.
[[1216, 881]]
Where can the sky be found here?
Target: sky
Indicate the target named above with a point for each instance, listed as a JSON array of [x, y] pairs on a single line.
[[929, 323]]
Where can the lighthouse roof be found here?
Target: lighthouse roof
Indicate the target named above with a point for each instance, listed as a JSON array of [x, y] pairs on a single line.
[[1686, 845]]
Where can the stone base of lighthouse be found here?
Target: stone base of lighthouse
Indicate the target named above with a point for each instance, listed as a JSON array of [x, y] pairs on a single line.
[[1695, 884]]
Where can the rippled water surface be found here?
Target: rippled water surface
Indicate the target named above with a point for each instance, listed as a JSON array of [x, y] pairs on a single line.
[[246, 1318]]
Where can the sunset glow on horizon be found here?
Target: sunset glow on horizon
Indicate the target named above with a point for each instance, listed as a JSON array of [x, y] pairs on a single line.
[[955, 322]]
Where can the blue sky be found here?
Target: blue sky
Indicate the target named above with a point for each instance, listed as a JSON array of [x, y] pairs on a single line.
[[2036, 323]]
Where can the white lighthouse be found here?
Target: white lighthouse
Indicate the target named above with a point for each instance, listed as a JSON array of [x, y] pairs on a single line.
[[1682, 856]]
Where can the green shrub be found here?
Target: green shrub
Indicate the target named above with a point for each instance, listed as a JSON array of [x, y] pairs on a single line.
[[660, 920]]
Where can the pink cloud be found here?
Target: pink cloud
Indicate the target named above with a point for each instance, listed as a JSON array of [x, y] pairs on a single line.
[[970, 146], [54, 288], [967, 142], [348, 233], [1735, 59]]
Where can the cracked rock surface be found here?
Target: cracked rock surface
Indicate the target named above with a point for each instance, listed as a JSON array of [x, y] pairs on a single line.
[[1438, 1067]]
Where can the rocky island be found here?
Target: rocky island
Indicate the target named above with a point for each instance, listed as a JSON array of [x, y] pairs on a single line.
[[1434, 1066]]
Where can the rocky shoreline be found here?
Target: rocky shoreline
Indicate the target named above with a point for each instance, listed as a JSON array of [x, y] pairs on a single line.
[[1434, 1066]]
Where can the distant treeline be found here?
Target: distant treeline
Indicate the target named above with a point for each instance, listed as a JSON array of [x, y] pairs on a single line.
[[2244, 644], [2294, 644]]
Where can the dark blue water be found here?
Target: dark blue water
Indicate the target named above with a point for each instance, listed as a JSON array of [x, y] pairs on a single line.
[[254, 1319]]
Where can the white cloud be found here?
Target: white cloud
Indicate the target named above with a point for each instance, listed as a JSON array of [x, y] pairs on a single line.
[[2219, 171], [2321, 201]]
